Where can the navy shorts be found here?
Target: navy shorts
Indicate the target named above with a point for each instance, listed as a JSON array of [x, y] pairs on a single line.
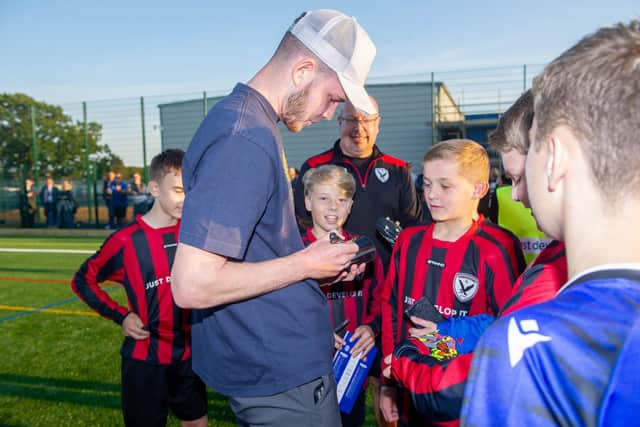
[[149, 391]]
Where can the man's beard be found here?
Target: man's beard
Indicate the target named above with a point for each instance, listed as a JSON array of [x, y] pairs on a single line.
[[295, 109]]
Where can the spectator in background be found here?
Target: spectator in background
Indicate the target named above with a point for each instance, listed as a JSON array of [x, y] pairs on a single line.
[[294, 175], [107, 196], [27, 204], [119, 200], [49, 200], [142, 201], [66, 207]]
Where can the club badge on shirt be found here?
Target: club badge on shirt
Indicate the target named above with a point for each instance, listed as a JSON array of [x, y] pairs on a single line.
[[382, 174], [465, 286]]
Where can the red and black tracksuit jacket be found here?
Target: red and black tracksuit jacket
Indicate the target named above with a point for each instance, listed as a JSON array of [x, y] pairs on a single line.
[[140, 258], [473, 275], [357, 300], [436, 388], [385, 190]]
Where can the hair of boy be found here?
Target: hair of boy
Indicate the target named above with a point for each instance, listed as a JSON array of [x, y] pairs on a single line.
[[329, 175], [594, 89], [512, 132], [472, 159], [165, 162]]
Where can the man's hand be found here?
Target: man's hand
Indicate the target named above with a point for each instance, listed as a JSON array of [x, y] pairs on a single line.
[[422, 328], [326, 260], [388, 404], [366, 340], [132, 327]]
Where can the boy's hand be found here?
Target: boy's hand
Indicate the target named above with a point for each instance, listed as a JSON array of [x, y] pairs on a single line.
[[388, 405], [422, 328], [366, 341], [132, 327], [386, 366], [338, 341]]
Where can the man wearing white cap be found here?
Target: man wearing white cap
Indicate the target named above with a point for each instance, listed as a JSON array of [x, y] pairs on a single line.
[[261, 332]]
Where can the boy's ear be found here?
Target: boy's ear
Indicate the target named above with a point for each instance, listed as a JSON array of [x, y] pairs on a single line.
[[154, 188], [307, 203], [480, 189], [560, 143]]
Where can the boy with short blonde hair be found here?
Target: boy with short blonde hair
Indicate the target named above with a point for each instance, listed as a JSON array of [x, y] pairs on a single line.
[[328, 191], [460, 263]]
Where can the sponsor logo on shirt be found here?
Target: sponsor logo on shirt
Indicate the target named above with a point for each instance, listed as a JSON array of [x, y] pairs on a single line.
[[382, 174], [465, 286], [448, 311], [523, 337], [436, 263], [344, 294], [155, 283]]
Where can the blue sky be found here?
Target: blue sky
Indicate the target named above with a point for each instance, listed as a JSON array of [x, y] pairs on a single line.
[[70, 51]]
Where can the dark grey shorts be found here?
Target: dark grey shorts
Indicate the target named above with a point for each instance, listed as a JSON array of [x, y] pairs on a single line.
[[314, 404]]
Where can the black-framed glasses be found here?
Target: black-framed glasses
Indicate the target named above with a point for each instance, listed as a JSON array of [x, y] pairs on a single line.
[[352, 121]]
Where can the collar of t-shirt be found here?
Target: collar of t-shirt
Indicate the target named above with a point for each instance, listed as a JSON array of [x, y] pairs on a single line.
[[599, 268], [268, 108]]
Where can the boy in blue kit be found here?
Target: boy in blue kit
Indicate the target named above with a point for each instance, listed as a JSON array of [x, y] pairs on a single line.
[[574, 359], [156, 352], [328, 195]]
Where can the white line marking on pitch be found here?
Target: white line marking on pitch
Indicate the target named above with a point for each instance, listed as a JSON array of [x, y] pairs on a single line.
[[49, 251]]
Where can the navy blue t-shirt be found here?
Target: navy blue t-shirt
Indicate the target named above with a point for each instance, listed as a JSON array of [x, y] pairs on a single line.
[[239, 205]]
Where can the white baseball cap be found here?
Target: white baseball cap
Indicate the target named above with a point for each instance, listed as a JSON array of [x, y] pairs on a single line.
[[344, 46]]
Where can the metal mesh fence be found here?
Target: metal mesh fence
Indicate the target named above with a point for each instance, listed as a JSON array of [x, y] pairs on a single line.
[[132, 129]]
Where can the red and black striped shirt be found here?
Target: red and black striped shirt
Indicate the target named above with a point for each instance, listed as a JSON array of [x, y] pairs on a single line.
[[473, 275], [437, 389], [140, 258], [357, 300]]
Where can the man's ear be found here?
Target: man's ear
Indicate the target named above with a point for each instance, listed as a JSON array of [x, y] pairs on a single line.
[[303, 71], [154, 188], [480, 188]]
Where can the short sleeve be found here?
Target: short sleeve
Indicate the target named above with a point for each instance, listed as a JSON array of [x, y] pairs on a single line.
[[226, 194]]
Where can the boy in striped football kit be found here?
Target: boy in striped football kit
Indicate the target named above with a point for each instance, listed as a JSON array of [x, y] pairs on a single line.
[[328, 195], [573, 360], [461, 263], [436, 387], [156, 352]]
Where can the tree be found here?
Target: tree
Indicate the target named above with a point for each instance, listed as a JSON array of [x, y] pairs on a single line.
[[60, 140]]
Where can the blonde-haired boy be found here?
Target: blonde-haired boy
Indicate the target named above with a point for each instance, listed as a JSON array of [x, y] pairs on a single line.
[[461, 263], [328, 192]]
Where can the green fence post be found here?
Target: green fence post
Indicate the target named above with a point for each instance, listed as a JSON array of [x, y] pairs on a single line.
[[433, 110], [86, 160], [144, 142], [204, 104], [36, 168]]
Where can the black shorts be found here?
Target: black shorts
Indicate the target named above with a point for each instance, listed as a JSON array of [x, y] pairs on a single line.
[[119, 211], [149, 391]]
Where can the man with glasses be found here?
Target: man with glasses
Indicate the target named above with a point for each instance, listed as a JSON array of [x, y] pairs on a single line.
[[385, 187]]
